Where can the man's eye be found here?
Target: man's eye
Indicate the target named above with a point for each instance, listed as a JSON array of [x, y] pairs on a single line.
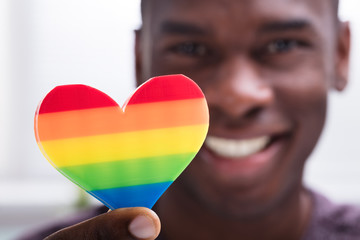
[[190, 49], [281, 46]]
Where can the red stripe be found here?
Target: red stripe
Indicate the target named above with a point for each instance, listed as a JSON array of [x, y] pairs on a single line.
[[166, 88], [74, 97], [158, 89]]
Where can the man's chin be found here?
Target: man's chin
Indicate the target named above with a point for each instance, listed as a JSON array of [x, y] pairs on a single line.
[[239, 206], [233, 202]]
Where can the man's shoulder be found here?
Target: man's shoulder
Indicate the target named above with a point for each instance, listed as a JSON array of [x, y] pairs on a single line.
[[333, 221]]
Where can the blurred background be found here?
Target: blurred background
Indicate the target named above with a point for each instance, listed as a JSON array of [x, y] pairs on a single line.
[[47, 43]]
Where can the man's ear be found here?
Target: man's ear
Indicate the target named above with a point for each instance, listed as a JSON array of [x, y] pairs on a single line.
[[343, 56], [138, 57]]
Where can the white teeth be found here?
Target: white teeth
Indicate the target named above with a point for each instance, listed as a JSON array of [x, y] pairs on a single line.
[[231, 148]]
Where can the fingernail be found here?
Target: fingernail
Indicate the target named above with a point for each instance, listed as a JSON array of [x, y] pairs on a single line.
[[142, 227]]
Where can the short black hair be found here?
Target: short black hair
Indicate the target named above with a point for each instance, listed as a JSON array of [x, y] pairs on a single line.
[[336, 5], [144, 5]]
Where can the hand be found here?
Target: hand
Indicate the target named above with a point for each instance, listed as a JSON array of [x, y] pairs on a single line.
[[124, 223]]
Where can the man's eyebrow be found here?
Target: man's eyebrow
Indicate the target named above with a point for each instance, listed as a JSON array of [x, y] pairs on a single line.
[[181, 28], [280, 26]]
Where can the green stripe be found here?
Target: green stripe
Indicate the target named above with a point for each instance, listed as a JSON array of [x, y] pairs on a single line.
[[126, 173]]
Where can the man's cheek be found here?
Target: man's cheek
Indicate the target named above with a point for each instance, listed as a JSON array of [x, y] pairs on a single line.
[[303, 95]]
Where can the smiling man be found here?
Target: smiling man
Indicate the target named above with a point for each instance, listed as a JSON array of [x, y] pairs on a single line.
[[266, 68]]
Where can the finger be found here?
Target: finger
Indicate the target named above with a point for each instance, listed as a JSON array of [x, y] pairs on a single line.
[[125, 223]]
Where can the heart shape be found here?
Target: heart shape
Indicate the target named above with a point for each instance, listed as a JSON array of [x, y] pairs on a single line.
[[125, 157]]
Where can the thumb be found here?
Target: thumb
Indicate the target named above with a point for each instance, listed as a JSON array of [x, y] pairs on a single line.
[[145, 226], [124, 223]]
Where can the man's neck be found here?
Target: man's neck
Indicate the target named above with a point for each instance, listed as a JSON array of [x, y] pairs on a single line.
[[184, 218]]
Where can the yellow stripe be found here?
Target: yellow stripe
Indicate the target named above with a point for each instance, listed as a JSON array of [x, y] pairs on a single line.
[[128, 145]]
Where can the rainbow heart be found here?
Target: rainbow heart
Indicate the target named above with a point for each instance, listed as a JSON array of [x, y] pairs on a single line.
[[128, 156]]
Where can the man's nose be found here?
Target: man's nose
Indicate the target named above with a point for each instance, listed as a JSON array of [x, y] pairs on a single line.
[[239, 89]]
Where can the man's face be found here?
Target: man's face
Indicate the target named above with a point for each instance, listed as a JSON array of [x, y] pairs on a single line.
[[265, 68]]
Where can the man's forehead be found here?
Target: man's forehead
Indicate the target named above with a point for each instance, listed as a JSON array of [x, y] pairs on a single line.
[[205, 12]]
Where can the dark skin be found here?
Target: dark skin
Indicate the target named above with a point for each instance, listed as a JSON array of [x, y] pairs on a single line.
[[266, 70]]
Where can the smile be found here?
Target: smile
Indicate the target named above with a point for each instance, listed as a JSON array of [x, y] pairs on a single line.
[[236, 149]]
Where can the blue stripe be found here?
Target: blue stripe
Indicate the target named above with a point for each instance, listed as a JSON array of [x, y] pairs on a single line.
[[134, 196]]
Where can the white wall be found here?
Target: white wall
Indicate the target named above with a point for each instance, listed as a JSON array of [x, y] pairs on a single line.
[[4, 76], [47, 43]]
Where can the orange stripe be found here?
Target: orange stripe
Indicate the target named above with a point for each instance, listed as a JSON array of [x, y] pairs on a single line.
[[98, 121]]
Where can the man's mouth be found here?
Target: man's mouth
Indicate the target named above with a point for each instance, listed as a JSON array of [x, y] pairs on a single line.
[[236, 149], [246, 158]]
